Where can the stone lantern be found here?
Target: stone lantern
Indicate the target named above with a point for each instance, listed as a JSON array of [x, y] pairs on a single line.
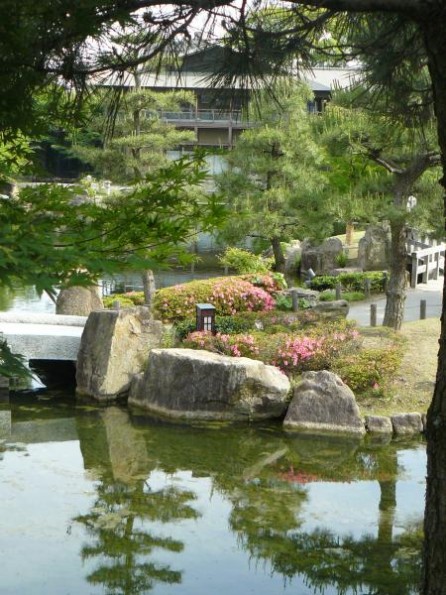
[[205, 315]]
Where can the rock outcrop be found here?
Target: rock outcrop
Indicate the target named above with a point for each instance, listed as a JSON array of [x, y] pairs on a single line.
[[114, 347], [323, 258], [322, 402], [197, 384], [79, 301], [407, 423], [374, 248]]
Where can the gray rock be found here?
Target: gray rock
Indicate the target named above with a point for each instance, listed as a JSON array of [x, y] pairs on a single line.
[[310, 295], [374, 248], [5, 423], [79, 301], [332, 310], [407, 423], [323, 258], [378, 424], [114, 346], [197, 384], [322, 402]]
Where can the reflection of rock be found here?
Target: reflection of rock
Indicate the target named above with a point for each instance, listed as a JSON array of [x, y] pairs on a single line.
[[127, 448], [114, 346], [407, 423], [5, 423], [195, 384], [79, 301], [322, 402], [321, 452]]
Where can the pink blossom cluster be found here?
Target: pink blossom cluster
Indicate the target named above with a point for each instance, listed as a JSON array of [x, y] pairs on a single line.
[[233, 345], [236, 295], [295, 352]]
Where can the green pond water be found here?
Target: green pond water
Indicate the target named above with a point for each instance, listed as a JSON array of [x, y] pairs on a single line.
[[103, 500]]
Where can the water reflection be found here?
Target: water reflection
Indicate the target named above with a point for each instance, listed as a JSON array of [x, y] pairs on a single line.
[[189, 509]]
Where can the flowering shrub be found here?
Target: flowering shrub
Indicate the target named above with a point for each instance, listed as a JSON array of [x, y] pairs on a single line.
[[297, 354], [270, 282], [229, 295], [233, 345]]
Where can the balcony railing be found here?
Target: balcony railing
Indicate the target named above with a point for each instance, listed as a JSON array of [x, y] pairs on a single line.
[[210, 115]]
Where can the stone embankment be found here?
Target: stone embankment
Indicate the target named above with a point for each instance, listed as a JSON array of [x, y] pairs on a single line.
[[121, 357]]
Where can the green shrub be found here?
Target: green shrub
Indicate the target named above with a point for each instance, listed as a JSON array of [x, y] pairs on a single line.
[[126, 300], [349, 296], [350, 281], [370, 370], [243, 261], [284, 302]]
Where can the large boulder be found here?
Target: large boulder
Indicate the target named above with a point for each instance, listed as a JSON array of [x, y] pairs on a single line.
[[322, 402], [323, 258], [374, 248], [115, 345], [197, 384], [79, 301]]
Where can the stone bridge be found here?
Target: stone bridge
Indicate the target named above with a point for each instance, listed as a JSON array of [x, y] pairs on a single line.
[[43, 336]]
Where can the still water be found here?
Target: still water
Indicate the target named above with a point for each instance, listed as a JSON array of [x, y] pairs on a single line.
[[104, 500]]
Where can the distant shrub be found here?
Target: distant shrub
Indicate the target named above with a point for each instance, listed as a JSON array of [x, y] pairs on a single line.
[[349, 296], [243, 261], [126, 300], [350, 281]]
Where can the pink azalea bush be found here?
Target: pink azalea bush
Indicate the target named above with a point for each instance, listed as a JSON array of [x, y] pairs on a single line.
[[297, 354], [232, 345], [229, 295]]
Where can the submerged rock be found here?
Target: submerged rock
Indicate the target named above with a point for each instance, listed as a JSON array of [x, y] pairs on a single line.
[[197, 384], [114, 346], [322, 402]]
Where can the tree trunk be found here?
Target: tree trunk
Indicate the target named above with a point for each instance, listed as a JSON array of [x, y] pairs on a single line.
[[148, 282], [279, 258], [396, 287], [434, 555]]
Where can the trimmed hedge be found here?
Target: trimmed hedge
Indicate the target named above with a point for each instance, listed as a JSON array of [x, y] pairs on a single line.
[[350, 281]]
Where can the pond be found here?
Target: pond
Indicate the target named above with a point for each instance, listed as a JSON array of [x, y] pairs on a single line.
[[105, 500]]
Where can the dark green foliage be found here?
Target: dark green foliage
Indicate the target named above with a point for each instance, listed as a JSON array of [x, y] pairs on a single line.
[[50, 237], [350, 281], [12, 365]]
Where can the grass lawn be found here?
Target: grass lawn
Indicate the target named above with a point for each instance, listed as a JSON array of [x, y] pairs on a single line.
[[413, 385]]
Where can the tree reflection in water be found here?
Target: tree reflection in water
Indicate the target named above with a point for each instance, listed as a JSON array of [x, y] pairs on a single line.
[[374, 565], [266, 476], [125, 504]]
